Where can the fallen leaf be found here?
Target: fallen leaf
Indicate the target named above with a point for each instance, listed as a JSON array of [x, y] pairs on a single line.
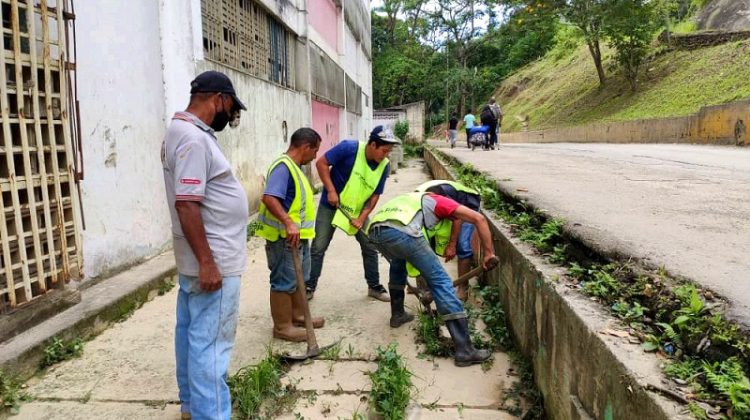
[[522, 190]]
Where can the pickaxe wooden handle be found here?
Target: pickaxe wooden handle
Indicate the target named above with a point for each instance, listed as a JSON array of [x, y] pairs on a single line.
[[491, 264]]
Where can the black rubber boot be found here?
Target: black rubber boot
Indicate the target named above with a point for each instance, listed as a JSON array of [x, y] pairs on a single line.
[[399, 316], [466, 354]]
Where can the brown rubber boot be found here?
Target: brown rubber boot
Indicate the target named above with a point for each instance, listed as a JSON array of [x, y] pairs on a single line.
[[462, 291], [299, 313], [281, 312]]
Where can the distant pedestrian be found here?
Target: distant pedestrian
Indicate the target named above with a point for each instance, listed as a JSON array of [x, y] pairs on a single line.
[[495, 129], [209, 213], [469, 120], [453, 129], [287, 217]]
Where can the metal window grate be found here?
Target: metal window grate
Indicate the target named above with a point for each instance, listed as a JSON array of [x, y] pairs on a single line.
[[39, 241], [242, 35]]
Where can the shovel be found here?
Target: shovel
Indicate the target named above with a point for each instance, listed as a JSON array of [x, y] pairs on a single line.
[[312, 343]]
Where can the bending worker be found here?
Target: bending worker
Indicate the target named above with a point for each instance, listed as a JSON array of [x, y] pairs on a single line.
[[459, 244], [353, 175], [399, 230], [287, 220]]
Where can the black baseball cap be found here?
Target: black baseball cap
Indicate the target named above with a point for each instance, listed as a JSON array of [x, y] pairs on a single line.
[[380, 133], [214, 81]]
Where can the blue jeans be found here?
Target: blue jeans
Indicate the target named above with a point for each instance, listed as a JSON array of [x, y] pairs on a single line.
[[204, 337], [323, 234], [281, 263], [398, 248], [463, 248]]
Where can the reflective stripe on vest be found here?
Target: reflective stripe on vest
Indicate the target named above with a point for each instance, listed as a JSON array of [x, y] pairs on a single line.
[[358, 189], [302, 210]]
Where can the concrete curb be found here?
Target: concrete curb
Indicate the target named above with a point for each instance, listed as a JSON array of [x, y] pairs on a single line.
[[101, 305], [581, 373]]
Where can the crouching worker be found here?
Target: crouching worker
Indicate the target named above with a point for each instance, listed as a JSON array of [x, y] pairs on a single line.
[[459, 244], [400, 230], [287, 218]]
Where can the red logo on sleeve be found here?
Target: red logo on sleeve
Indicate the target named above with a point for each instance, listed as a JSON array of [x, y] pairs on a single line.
[[190, 181]]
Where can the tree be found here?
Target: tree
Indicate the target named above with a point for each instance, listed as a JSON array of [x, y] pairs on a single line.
[[589, 16], [629, 27]]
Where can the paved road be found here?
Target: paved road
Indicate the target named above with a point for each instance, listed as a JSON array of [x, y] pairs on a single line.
[[686, 208]]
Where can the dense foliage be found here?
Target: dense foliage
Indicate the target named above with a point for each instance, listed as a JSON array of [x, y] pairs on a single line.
[[452, 54]]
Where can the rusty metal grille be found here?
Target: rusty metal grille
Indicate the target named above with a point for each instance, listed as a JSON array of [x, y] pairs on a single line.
[[39, 240], [242, 35]]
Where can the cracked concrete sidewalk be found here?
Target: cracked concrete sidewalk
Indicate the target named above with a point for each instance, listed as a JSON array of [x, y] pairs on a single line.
[[127, 372]]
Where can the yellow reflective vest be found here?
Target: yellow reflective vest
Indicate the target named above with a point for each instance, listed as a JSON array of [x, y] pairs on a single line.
[[302, 210], [358, 189], [403, 209]]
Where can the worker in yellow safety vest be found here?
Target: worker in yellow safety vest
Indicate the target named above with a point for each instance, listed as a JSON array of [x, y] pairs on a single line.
[[459, 242], [287, 219], [353, 176], [399, 230]]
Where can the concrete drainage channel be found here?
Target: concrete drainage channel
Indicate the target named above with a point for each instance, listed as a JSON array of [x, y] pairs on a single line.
[[581, 373]]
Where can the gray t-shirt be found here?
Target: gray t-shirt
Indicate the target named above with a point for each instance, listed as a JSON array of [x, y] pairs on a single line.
[[195, 169]]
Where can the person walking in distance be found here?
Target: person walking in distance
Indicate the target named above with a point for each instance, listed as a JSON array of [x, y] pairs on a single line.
[[497, 113], [353, 175], [469, 120], [287, 218], [209, 212], [453, 129]]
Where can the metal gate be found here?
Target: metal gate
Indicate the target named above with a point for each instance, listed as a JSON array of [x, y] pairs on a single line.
[[39, 151]]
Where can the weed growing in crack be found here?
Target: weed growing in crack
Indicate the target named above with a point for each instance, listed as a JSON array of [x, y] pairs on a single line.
[[331, 353], [11, 395], [428, 333], [257, 391], [165, 287], [391, 384], [675, 321], [60, 350]]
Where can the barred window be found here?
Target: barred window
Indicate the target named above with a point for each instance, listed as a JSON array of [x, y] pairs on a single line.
[[240, 34]]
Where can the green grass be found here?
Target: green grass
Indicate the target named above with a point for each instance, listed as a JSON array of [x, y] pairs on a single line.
[[428, 333], [257, 391], [391, 384], [11, 394], [60, 350], [559, 92]]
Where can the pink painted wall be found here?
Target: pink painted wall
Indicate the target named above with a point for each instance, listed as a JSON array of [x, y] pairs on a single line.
[[325, 120], [324, 17]]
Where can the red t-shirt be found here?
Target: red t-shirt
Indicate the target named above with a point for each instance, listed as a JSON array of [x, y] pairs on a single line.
[[444, 206]]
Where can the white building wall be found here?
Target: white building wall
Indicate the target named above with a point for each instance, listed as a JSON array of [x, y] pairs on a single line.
[[259, 139], [121, 94], [136, 59]]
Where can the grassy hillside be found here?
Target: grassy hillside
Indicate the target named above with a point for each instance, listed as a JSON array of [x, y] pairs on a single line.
[[563, 90]]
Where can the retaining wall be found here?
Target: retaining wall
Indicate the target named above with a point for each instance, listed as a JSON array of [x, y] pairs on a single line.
[[720, 124], [581, 373]]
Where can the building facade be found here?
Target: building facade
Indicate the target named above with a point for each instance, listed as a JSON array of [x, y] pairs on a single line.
[[80, 173]]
